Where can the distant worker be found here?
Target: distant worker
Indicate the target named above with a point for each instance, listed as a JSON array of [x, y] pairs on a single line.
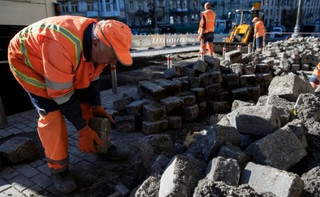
[[58, 61], [259, 34], [206, 29], [315, 78]]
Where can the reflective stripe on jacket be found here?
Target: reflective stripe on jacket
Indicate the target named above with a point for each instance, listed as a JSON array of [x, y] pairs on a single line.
[[207, 22], [47, 57], [259, 29]]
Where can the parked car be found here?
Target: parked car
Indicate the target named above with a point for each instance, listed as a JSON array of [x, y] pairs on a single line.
[[277, 31]]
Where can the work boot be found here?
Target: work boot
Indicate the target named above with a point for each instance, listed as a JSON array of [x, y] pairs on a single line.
[[64, 182], [115, 153]]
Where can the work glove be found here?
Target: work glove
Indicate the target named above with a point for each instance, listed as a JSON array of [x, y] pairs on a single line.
[[99, 111], [87, 138]]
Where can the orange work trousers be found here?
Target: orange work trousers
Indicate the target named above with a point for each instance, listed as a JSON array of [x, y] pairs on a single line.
[[53, 134], [204, 47]]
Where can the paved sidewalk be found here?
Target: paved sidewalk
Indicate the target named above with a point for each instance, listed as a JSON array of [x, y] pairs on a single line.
[[32, 179]]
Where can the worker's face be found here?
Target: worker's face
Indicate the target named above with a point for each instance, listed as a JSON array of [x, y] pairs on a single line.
[[102, 54]]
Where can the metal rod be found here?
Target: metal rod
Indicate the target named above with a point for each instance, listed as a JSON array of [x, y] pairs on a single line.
[[224, 50], [297, 27], [113, 70], [249, 48], [169, 61], [3, 118], [239, 48]]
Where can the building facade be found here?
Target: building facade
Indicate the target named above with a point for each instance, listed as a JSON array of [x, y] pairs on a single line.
[[276, 11], [170, 16]]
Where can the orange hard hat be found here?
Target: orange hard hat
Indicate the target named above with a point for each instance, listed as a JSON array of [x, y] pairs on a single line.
[[255, 19], [117, 36]]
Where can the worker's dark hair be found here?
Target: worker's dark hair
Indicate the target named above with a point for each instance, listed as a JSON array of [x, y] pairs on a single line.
[[207, 5]]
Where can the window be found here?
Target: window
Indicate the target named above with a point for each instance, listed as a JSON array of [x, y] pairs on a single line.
[[131, 4], [195, 4], [178, 3], [184, 4], [64, 7], [171, 20], [170, 4], [177, 19], [185, 19], [140, 5], [74, 8], [115, 7]]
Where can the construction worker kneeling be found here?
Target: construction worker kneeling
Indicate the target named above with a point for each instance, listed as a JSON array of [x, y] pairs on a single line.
[[58, 61]]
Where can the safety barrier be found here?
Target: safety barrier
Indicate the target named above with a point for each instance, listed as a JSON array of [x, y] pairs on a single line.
[[163, 40], [169, 40]]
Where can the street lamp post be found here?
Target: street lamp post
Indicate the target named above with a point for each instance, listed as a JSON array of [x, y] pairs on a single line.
[[297, 27]]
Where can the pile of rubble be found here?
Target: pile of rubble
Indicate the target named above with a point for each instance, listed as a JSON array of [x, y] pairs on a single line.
[[243, 126], [260, 148]]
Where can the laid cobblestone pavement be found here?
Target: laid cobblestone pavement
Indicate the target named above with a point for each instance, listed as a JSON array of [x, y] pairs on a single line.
[[32, 178]]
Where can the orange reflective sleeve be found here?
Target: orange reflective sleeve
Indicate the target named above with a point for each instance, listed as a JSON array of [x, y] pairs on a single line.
[[58, 71]]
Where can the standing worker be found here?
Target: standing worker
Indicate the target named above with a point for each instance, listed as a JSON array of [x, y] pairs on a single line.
[[259, 34], [206, 29], [58, 61]]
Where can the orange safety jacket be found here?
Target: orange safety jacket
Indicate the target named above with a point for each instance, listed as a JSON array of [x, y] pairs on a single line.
[[47, 58], [315, 77], [259, 29], [207, 22]]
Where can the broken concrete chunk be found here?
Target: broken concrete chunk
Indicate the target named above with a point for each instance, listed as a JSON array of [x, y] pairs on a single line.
[[234, 56], [265, 179], [200, 66], [181, 176], [222, 169], [103, 127], [151, 90], [173, 72], [125, 123], [120, 104], [190, 113], [234, 152], [149, 187], [172, 87], [135, 107], [155, 127], [154, 112], [281, 149], [255, 120], [18, 149], [289, 87], [173, 105], [199, 93], [174, 122]]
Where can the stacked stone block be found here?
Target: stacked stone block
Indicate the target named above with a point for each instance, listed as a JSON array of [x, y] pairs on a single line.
[[188, 93]]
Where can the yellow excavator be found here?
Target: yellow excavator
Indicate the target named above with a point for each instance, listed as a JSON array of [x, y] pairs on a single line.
[[242, 31]]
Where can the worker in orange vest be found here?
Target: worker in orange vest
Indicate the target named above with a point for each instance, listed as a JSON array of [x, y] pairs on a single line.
[[259, 34], [58, 61], [206, 29]]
